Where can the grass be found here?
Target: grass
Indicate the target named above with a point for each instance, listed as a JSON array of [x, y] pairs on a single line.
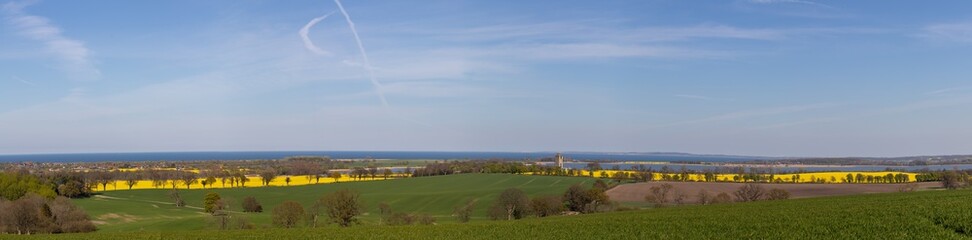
[[917, 215], [152, 210]]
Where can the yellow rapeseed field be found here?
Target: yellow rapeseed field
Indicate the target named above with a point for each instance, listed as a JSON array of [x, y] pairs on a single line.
[[254, 181], [827, 177]]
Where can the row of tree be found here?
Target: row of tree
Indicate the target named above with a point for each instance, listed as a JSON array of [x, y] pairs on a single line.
[[665, 194], [513, 203]]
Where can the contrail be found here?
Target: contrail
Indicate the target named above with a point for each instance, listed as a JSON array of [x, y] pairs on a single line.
[[364, 55], [307, 42], [24, 81]]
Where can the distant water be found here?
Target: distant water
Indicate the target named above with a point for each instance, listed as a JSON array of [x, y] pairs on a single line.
[[199, 156]]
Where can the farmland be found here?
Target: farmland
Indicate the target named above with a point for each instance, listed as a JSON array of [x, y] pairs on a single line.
[[924, 214], [638, 191], [298, 180], [152, 209]]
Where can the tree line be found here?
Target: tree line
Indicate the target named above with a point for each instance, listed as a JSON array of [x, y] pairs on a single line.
[[30, 205]]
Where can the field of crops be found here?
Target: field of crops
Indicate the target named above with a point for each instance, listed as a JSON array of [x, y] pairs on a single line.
[[810, 177], [916, 215], [253, 181], [152, 209]]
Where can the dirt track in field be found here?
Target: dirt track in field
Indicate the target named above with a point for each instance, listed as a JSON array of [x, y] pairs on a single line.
[[636, 192]]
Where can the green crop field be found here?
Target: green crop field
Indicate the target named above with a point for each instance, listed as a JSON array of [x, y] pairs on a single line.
[[917, 215], [152, 210]]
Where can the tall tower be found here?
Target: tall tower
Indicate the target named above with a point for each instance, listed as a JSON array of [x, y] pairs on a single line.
[[560, 160]]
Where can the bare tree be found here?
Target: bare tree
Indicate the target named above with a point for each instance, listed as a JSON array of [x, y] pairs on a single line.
[[658, 195], [679, 197], [721, 198], [287, 214], [69, 218], [131, 178], [25, 215], [104, 178], [778, 194], [953, 180], [221, 209], [176, 198], [385, 213], [241, 179], [547, 205], [704, 197], [464, 212], [267, 175], [335, 175], [250, 204], [749, 192], [188, 178], [511, 204]]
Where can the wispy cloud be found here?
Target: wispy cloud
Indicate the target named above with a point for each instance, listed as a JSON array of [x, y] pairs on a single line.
[[593, 30], [304, 35], [689, 96], [795, 8], [72, 53], [787, 1], [925, 105], [747, 114], [951, 32], [699, 97], [24, 81], [945, 90], [798, 123]]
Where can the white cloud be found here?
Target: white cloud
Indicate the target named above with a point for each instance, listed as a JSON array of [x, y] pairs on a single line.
[[75, 57]]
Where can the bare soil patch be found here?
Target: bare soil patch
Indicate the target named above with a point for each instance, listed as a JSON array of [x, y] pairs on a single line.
[[636, 192]]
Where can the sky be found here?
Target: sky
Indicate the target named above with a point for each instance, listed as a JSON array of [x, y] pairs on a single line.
[[746, 77]]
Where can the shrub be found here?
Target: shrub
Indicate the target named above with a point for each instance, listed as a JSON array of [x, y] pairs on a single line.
[[250, 204], [426, 219], [209, 203], [704, 197], [547, 205], [749, 192], [721, 198], [343, 206], [287, 214], [511, 204], [778, 194], [464, 212]]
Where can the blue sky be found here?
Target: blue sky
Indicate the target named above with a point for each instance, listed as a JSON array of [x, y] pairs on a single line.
[[760, 77]]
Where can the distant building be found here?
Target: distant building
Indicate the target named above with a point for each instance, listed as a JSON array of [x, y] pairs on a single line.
[[559, 159]]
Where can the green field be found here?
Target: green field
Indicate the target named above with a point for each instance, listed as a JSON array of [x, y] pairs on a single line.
[[917, 215], [152, 210]]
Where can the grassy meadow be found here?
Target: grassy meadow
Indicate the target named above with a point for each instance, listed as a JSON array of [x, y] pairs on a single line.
[[912, 215], [152, 209]]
